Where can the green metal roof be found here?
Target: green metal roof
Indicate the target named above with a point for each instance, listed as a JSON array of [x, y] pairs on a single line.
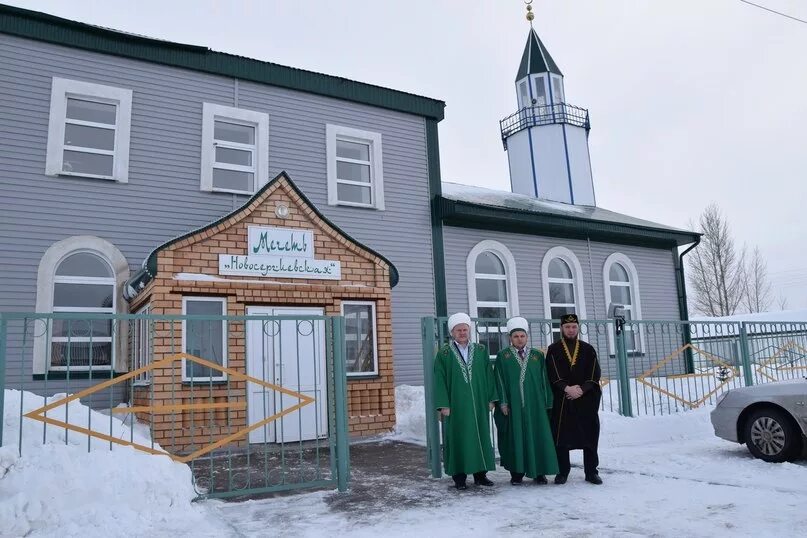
[[536, 58], [149, 270], [49, 28], [477, 207]]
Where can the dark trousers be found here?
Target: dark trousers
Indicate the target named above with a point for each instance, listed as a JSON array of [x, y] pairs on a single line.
[[590, 460], [461, 477]]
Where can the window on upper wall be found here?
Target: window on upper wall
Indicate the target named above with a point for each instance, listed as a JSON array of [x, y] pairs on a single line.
[[492, 292], [355, 168], [622, 287], [88, 130], [235, 149], [562, 287], [84, 283], [204, 338], [360, 338]]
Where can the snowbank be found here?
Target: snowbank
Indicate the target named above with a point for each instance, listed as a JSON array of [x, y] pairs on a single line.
[[59, 488], [410, 408]]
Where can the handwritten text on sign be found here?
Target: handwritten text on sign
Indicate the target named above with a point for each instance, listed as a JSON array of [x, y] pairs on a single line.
[[279, 267], [267, 241]]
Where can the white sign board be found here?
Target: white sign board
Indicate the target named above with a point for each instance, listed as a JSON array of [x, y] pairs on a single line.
[[266, 241], [279, 253]]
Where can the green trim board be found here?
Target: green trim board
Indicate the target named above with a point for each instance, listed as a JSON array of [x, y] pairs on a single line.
[[51, 29], [58, 375], [471, 215], [149, 269], [435, 191]]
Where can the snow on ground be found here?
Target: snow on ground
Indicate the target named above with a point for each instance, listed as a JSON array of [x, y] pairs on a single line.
[[58, 488], [664, 476]]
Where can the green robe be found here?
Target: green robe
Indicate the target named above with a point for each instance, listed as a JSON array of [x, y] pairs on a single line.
[[525, 435], [467, 390]]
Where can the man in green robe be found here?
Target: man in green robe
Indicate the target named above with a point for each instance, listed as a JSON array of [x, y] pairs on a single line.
[[525, 438], [465, 393]]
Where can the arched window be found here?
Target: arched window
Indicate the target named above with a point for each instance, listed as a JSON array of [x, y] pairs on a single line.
[[492, 291], [83, 283], [81, 275], [622, 287], [563, 287]]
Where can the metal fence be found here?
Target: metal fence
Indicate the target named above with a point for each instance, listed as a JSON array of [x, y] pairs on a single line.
[[253, 404], [648, 367]]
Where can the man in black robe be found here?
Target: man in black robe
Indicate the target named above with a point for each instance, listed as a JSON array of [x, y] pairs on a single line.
[[574, 374]]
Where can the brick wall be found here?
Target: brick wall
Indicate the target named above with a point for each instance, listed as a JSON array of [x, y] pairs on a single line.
[[365, 277]]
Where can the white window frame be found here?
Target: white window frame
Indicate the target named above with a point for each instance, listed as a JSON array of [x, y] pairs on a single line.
[[633, 284], [579, 285], [224, 338], [46, 276], [372, 305], [107, 281], [260, 120], [540, 79], [142, 348], [511, 282], [61, 90], [373, 139], [555, 101]]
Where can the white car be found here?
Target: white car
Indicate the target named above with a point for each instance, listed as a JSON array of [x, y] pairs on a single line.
[[771, 419]]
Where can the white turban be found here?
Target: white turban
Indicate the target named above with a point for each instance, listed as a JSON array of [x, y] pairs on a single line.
[[457, 319], [517, 323]]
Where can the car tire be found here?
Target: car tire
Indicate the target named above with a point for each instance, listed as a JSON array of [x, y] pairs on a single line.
[[770, 435]]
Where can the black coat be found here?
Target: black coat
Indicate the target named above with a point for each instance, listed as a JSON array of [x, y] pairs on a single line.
[[575, 423]]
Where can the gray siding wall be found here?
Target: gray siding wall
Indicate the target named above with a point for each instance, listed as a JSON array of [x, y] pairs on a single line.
[[655, 268], [162, 198]]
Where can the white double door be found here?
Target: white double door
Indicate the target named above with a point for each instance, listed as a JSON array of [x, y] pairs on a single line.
[[290, 354]]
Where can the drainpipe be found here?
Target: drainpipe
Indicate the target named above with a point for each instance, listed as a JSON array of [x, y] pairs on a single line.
[[682, 304]]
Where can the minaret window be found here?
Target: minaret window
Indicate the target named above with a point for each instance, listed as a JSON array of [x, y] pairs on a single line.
[[524, 94], [540, 94], [557, 90]]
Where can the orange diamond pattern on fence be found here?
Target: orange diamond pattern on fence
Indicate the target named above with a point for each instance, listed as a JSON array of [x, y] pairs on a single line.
[[769, 364], [39, 414], [691, 403]]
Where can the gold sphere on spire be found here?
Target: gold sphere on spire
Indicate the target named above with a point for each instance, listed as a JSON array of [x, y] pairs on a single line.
[[530, 14]]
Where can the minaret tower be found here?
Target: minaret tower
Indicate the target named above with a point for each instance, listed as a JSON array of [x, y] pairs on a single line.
[[547, 139]]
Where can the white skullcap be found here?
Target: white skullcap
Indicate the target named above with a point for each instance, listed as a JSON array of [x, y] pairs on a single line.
[[457, 319], [517, 323]]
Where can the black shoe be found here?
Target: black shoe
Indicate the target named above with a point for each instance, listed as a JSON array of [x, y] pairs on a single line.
[[483, 481], [594, 479], [560, 479], [461, 486], [541, 480], [516, 481]]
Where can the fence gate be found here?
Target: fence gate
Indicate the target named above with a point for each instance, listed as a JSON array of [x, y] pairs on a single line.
[[253, 404]]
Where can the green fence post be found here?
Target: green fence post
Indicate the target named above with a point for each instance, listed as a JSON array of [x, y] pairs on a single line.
[[340, 387], [625, 407], [3, 328], [745, 356], [432, 426]]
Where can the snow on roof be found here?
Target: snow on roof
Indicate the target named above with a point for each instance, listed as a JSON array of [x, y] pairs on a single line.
[[797, 316], [522, 202]]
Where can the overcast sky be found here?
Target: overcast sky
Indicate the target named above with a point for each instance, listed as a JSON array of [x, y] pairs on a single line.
[[691, 101]]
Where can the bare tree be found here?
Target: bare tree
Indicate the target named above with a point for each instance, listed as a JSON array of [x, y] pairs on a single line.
[[758, 295], [716, 267], [782, 302]]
